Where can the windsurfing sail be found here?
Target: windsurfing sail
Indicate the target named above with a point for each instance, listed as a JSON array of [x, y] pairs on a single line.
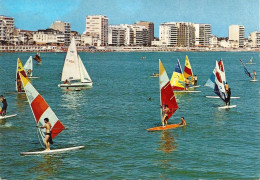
[[28, 67], [37, 58], [20, 70], [187, 70], [177, 80], [74, 69], [222, 71], [245, 69], [167, 96], [219, 83], [41, 110]]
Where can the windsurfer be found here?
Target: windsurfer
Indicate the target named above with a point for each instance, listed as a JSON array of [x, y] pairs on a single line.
[[29, 72], [226, 87], [66, 81], [183, 122], [155, 74], [166, 111], [187, 83], [254, 73], [228, 96], [4, 108], [195, 79], [48, 139]]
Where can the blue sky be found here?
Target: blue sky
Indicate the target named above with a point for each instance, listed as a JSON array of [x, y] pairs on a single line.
[[40, 14]]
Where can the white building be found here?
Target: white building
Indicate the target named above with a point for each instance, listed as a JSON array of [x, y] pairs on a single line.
[[63, 27], [202, 34], [97, 28], [6, 29], [236, 35], [168, 34], [49, 36], [254, 37], [140, 35], [116, 35], [213, 41]]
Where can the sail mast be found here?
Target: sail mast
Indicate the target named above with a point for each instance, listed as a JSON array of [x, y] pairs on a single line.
[[245, 69]]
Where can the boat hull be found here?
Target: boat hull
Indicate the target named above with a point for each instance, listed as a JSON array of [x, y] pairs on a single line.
[[161, 128], [75, 85]]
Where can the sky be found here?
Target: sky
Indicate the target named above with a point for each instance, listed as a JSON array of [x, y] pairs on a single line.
[[40, 14]]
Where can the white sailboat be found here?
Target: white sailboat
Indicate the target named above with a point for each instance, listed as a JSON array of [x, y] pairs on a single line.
[[74, 73], [28, 67], [42, 110]]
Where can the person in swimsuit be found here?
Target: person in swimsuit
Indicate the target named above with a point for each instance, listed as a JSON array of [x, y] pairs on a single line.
[[166, 111], [226, 87], [48, 139], [4, 108], [183, 122], [195, 78], [254, 73], [187, 83], [228, 96]]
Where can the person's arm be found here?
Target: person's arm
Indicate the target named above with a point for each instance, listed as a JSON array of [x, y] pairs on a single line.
[[43, 126]]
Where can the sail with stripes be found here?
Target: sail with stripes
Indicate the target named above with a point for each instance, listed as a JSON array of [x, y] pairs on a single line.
[[41, 110], [28, 67], [167, 96], [219, 83], [20, 70], [177, 80], [245, 69], [222, 71], [187, 70]]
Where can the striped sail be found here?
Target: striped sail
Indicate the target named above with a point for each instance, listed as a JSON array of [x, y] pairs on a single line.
[[20, 70], [166, 93], [222, 71], [28, 67], [41, 109], [187, 69], [219, 83], [177, 79], [245, 69]]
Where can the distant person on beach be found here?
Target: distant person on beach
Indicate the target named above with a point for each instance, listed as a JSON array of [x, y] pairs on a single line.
[[4, 107], [166, 111], [195, 79], [48, 139], [183, 122], [228, 96]]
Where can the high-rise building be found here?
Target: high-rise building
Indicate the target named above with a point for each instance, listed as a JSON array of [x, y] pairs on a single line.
[[97, 28], [140, 35], [168, 34], [150, 27], [236, 34], [254, 37], [116, 35], [6, 29], [202, 34], [186, 34], [63, 27]]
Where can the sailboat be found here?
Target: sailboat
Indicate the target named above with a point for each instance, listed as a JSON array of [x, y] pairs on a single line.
[[42, 110], [216, 82], [167, 97], [38, 58], [74, 73], [250, 61], [28, 67], [20, 70], [188, 72], [247, 72], [178, 79]]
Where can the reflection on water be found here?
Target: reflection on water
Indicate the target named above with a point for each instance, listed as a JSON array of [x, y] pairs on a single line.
[[48, 167], [21, 102], [167, 143], [72, 99]]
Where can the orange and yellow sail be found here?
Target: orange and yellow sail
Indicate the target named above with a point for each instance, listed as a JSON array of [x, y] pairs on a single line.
[[20, 70], [187, 69]]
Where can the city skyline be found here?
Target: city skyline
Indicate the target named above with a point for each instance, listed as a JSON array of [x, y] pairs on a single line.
[[220, 14]]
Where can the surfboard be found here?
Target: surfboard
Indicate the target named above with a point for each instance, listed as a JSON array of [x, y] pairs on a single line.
[[187, 91], [52, 151], [33, 77], [161, 128], [217, 97], [194, 86], [254, 80], [9, 116], [250, 63], [227, 107]]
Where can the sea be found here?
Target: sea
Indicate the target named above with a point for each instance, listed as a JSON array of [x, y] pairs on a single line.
[[111, 120]]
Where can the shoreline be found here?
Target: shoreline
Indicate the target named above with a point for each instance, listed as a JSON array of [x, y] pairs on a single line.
[[60, 49]]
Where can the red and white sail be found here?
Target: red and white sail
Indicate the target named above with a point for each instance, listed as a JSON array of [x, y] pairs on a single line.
[[41, 109], [167, 96], [222, 71]]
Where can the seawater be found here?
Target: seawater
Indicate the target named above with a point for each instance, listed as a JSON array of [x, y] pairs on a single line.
[[111, 119]]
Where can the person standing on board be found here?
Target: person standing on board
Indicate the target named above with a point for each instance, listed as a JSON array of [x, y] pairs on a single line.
[[166, 111], [4, 108], [228, 96], [195, 79], [187, 83], [254, 73], [48, 139], [183, 122], [226, 87]]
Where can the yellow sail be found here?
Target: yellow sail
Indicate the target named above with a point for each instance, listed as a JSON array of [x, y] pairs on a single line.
[[177, 80], [20, 69], [187, 70]]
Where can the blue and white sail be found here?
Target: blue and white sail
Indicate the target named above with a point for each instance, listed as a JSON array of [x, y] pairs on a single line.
[[245, 69]]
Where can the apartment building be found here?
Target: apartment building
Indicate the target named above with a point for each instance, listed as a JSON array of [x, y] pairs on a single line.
[[254, 37], [150, 27], [97, 28], [168, 34], [6, 29], [202, 34], [186, 34], [116, 35], [63, 27], [236, 35], [49, 36]]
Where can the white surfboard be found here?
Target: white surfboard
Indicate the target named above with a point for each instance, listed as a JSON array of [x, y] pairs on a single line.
[[227, 107], [250, 63], [187, 91], [217, 97], [52, 151], [254, 80], [9, 116], [195, 86], [33, 77]]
